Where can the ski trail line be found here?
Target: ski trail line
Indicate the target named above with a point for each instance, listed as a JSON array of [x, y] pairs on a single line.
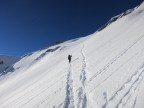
[[135, 101], [102, 70], [131, 85], [133, 88], [113, 73], [69, 100], [34, 91], [82, 97]]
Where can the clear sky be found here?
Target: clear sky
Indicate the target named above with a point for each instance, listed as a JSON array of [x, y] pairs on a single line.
[[28, 25]]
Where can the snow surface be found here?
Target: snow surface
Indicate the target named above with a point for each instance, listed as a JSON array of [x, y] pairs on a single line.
[[107, 71]]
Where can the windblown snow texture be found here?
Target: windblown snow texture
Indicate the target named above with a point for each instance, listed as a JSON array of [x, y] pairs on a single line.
[[106, 71]]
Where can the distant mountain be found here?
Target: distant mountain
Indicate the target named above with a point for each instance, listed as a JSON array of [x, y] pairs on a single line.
[[7, 61], [106, 71]]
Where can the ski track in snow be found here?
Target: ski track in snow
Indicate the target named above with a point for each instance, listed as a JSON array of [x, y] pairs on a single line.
[[36, 95], [69, 100], [135, 101], [126, 90], [105, 97], [35, 87], [133, 88], [46, 99], [114, 59], [82, 98], [113, 73]]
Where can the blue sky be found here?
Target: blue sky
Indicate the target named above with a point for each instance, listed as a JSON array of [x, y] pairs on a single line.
[[28, 25]]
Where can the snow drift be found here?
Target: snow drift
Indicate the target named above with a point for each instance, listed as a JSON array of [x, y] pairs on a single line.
[[107, 70]]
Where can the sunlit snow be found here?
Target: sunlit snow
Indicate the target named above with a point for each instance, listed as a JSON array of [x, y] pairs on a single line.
[[107, 71]]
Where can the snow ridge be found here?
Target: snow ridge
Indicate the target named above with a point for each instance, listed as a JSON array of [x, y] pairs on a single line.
[[117, 17]]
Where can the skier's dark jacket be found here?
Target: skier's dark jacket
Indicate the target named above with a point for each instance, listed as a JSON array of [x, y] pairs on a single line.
[[69, 58]]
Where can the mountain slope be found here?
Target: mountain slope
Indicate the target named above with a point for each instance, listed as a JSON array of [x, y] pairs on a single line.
[[107, 71]]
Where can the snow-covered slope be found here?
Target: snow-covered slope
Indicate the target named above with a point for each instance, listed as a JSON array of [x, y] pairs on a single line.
[[107, 71], [7, 62]]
